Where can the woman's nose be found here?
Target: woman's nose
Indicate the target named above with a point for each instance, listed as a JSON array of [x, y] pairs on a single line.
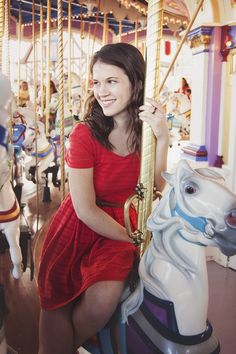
[[103, 90]]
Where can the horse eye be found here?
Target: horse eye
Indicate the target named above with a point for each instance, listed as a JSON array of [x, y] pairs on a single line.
[[190, 189]]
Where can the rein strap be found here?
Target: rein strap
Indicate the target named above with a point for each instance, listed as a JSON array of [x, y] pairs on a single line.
[[199, 223]]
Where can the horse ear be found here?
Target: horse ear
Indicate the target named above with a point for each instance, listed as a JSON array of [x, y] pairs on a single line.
[[183, 170], [210, 173]]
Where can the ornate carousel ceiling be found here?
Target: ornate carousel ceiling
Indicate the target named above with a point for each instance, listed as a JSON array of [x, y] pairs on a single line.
[[128, 11]]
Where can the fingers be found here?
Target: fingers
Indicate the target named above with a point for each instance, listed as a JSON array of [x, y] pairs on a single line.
[[153, 113], [152, 107]]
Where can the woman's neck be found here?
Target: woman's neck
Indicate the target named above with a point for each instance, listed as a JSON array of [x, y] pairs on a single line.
[[121, 123], [119, 138]]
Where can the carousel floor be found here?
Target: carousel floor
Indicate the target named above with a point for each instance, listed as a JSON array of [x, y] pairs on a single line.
[[21, 295]]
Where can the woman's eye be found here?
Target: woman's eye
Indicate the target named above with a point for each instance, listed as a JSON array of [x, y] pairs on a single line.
[[190, 189]]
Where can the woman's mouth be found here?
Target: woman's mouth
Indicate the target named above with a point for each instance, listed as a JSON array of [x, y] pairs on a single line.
[[107, 103]]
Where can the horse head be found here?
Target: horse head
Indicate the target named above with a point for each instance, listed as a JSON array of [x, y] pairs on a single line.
[[178, 103], [24, 115], [54, 102], [205, 207], [34, 131]]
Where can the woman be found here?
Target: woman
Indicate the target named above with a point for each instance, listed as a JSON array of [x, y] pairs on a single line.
[[53, 105], [24, 94], [87, 255], [184, 87]]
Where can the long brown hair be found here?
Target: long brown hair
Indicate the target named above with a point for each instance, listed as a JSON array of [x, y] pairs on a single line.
[[130, 60]]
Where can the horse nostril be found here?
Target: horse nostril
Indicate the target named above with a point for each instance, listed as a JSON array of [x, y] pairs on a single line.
[[231, 219]]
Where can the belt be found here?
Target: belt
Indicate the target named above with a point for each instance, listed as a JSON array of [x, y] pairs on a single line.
[[109, 204]]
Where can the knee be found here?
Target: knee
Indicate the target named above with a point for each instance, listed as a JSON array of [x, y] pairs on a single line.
[[97, 312]]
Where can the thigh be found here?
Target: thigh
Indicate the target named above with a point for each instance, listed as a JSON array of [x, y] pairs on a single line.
[[100, 300], [104, 292]]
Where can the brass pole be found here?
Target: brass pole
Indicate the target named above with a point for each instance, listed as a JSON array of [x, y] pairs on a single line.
[[69, 57], [61, 94], [105, 30], [153, 44], [1, 30], [88, 62], [81, 52], [143, 49], [95, 28], [19, 50], [7, 37], [136, 33], [7, 61], [35, 110], [120, 31], [41, 57], [48, 78]]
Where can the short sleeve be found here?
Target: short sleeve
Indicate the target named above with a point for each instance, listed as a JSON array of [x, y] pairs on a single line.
[[80, 148]]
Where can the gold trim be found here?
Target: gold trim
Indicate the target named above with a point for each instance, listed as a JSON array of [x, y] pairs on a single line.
[[13, 215], [232, 61], [45, 150], [201, 40]]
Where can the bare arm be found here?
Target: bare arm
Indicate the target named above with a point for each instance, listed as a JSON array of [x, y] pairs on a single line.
[[157, 120], [84, 202]]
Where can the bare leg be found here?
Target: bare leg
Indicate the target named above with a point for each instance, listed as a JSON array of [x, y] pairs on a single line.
[[56, 332], [95, 308]]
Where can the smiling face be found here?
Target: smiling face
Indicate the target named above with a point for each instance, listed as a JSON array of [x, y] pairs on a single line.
[[24, 86], [112, 89]]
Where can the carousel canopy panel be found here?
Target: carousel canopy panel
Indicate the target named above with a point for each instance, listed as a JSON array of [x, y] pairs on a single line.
[[120, 14]]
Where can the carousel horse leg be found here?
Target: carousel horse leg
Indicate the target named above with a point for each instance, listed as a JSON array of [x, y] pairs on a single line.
[[13, 228], [46, 190], [18, 192]]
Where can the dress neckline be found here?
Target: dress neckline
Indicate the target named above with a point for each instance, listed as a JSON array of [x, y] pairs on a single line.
[[124, 156]]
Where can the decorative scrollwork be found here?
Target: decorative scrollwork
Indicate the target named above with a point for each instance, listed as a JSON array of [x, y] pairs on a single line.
[[140, 191], [137, 237]]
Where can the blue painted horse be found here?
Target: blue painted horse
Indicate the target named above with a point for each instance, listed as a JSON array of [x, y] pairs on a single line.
[[167, 312]]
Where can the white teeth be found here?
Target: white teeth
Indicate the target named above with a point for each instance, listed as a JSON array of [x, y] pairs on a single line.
[[107, 103]]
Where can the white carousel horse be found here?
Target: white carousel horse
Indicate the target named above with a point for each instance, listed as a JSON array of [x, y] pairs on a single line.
[[9, 208], [10, 219], [69, 113], [179, 105], [35, 135], [167, 312], [68, 117]]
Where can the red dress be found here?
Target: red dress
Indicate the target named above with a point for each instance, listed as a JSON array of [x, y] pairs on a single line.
[[74, 257]]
